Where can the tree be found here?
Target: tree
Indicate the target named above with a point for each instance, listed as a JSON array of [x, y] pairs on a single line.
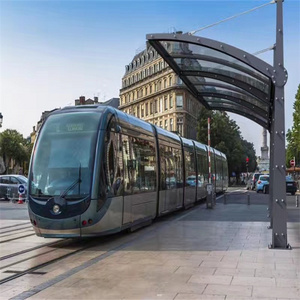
[[226, 137], [12, 149], [293, 134]]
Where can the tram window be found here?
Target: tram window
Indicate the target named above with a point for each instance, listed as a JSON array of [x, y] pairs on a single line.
[[202, 168], [171, 168], [64, 154], [190, 171], [139, 165], [114, 163]]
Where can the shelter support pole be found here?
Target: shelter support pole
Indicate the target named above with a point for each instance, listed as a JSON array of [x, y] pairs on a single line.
[[270, 208], [279, 211]]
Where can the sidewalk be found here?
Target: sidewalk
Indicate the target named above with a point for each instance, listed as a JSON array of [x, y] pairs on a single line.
[[211, 254]]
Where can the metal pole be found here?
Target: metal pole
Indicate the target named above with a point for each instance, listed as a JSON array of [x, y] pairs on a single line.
[[209, 158], [279, 212]]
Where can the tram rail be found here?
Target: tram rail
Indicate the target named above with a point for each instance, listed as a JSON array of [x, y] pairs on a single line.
[[28, 250], [15, 230], [33, 270]]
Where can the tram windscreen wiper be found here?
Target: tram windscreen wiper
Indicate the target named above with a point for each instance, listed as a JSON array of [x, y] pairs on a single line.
[[72, 186]]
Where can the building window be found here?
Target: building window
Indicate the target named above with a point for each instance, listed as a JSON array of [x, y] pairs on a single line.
[[170, 81], [160, 105], [151, 108], [155, 109], [150, 89], [165, 83], [160, 124], [171, 124], [146, 107], [138, 111], [166, 103], [155, 87], [179, 129], [166, 124], [142, 111], [179, 101], [170, 101]]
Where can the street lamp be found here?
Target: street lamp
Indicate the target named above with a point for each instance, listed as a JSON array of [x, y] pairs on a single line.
[[1, 119]]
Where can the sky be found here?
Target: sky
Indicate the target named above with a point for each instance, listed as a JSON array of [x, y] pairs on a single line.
[[52, 52]]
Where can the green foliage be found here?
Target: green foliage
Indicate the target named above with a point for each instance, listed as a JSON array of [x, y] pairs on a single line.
[[293, 134], [13, 148], [226, 137]]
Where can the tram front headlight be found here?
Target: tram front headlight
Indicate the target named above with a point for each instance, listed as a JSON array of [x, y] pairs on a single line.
[[56, 209]]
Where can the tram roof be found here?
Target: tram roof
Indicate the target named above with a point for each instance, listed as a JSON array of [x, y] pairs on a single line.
[[221, 76]]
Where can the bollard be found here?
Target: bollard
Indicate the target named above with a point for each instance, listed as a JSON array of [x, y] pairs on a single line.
[[209, 196], [248, 198], [297, 201]]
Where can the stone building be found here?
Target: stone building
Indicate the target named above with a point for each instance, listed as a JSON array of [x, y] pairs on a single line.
[[153, 92]]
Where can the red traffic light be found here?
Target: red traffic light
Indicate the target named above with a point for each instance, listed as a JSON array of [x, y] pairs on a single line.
[[247, 159]]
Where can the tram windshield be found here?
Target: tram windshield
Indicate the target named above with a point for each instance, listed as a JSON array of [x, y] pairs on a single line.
[[64, 155]]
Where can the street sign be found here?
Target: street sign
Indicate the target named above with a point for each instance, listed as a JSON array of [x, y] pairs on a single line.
[[292, 163], [21, 189]]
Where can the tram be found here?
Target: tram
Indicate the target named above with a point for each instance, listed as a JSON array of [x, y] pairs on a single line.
[[95, 170]]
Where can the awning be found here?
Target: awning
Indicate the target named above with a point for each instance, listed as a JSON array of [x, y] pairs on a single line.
[[221, 76]]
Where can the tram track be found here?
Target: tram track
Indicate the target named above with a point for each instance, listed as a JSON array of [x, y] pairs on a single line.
[[15, 230], [95, 242], [15, 225], [33, 270], [17, 238], [30, 249], [122, 240]]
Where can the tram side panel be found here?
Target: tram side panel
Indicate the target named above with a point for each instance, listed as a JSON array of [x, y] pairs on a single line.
[[202, 169], [225, 172], [171, 172], [219, 171], [139, 172], [190, 181], [139, 178], [107, 182]]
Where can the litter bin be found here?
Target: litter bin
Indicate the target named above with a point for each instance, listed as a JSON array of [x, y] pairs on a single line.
[[209, 196]]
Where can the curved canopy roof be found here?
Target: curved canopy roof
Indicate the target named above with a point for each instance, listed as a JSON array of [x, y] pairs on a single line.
[[221, 76]]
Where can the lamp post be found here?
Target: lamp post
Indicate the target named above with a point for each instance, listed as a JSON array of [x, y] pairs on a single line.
[[1, 119]]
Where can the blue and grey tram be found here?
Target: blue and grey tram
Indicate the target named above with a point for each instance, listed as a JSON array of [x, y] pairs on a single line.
[[95, 170]]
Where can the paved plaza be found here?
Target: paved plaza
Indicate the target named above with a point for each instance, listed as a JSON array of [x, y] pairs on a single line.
[[219, 253]]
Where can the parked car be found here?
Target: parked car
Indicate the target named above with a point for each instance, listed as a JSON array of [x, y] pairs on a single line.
[[191, 180], [291, 186], [9, 185], [254, 180], [261, 182]]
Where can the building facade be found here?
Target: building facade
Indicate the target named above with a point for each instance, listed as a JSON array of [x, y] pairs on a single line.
[[152, 91]]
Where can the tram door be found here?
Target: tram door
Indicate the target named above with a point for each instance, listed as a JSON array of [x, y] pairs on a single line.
[[114, 173], [139, 177], [171, 178]]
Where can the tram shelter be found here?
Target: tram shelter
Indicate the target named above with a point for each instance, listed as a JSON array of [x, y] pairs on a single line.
[[225, 78]]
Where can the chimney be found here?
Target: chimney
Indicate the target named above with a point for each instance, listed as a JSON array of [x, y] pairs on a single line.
[[81, 100], [95, 99]]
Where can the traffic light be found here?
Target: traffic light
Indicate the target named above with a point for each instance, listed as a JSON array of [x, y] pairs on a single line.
[[247, 161]]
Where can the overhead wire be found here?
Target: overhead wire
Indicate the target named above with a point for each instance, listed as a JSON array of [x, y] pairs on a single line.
[[230, 18]]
